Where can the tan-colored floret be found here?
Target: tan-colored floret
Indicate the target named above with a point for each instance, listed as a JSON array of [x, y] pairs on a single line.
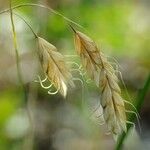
[[54, 66]]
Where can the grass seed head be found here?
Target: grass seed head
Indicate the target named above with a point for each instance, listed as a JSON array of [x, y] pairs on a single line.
[[54, 66], [103, 74]]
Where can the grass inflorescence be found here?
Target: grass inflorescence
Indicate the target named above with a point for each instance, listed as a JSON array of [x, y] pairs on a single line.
[[96, 65]]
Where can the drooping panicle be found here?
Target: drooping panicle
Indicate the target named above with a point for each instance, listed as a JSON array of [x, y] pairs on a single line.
[[103, 74], [54, 66]]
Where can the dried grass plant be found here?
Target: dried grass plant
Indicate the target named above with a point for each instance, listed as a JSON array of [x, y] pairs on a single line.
[[95, 63]]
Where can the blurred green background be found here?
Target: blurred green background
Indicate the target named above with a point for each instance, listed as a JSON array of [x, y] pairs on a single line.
[[121, 29]]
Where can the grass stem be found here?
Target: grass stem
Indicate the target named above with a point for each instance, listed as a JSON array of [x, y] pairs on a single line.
[[45, 7], [140, 101]]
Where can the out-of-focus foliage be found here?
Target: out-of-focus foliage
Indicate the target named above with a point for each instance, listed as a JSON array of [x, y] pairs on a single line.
[[120, 28]]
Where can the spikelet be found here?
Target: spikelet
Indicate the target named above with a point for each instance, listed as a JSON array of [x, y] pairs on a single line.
[[54, 66], [89, 54], [101, 71]]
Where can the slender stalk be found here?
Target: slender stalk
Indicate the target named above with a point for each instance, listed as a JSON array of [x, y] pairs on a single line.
[[36, 36], [16, 47], [29, 113], [42, 6], [140, 101]]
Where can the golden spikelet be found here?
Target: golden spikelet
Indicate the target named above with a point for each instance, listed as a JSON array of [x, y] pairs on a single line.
[[89, 54], [101, 71], [54, 66], [112, 103]]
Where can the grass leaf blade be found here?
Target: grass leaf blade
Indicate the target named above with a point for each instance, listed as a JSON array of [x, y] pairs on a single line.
[[140, 100]]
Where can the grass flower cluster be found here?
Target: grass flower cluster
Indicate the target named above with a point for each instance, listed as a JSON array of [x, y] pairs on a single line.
[[101, 71], [54, 67], [95, 64]]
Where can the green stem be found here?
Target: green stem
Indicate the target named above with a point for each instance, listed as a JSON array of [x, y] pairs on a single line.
[[140, 100], [42, 6], [15, 46], [31, 134]]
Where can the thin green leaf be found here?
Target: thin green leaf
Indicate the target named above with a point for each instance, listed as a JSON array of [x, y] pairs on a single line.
[[140, 101]]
